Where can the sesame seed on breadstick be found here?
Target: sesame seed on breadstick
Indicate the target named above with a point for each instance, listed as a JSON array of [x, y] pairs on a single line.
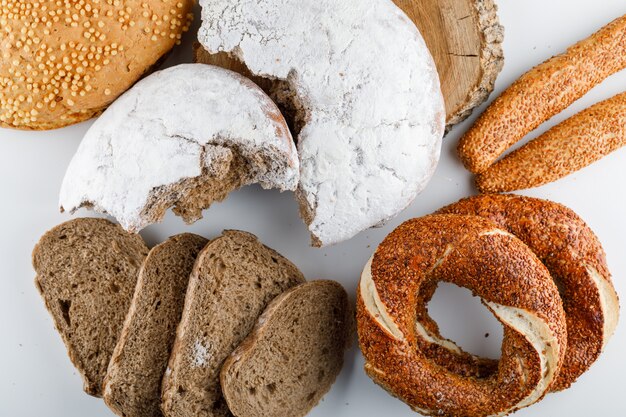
[[575, 143], [541, 93]]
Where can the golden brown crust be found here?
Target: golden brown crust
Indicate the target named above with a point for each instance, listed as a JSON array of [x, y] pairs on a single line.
[[457, 249], [572, 145], [568, 247], [541, 93], [62, 62]]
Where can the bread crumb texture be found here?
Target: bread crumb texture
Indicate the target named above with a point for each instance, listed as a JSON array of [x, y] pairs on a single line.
[[86, 274], [370, 91], [64, 61], [185, 137], [294, 354]]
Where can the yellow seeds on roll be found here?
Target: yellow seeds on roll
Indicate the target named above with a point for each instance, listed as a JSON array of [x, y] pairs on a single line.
[[57, 54]]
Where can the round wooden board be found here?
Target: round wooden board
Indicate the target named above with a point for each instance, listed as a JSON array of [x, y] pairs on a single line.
[[465, 39]]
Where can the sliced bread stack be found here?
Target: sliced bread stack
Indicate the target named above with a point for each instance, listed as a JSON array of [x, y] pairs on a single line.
[[234, 279], [200, 312], [132, 386]]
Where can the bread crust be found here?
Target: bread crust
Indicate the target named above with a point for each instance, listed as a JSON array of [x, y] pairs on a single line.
[[246, 349], [78, 261], [571, 252], [541, 93], [471, 252], [180, 117], [217, 316], [132, 385], [65, 62], [568, 147]]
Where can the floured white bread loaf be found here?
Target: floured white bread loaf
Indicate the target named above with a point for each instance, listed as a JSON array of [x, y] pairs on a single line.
[[184, 137], [365, 86]]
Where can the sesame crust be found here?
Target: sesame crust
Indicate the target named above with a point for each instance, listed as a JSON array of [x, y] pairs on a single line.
[[62, 61], [470, 252], [572, 145], [569, 250], [525, 104]]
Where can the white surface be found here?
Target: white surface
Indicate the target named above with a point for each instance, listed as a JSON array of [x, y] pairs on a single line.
[[169, 127], [384, 115], [37, 379]]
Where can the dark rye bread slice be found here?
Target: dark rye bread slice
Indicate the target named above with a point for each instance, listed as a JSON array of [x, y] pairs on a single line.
[[86, 273], [132, 386], [293, 355], [234, 279]]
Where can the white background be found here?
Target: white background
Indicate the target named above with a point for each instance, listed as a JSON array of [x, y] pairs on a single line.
[[37, 379]]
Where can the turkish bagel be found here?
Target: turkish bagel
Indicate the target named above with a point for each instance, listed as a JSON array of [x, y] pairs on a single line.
[[575, 258], [512, 282]]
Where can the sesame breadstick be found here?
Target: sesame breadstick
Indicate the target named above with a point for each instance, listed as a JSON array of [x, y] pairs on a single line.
[[541, 93], [577, 142]]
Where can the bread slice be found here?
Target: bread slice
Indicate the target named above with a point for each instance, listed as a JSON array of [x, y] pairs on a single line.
[[86, 274], [132, 386], [234, 279], [293, 355]]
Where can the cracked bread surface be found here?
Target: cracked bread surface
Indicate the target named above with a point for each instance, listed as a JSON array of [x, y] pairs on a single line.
[[184, 137], [234, 279], [132, 386], [86, 273], [374, 111], [294, 354]]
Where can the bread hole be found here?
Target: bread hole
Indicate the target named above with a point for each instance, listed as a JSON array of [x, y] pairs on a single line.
[[65, 306], [114, 288], [311, 396], [449, 308], [62, 237], [252, 390], [157, 305], [271, 388], [274, 260], [180, 390], [320, 375], [560, 286], [221, 266]]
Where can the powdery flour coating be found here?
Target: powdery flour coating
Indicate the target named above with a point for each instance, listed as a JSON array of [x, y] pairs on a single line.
[[368, 85], [183, 136]]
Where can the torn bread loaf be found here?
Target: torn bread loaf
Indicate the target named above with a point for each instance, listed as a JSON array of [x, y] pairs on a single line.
[[293, 355], [234, 279], [183, 137], [366, 87], [132, 386], [78, 262]]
